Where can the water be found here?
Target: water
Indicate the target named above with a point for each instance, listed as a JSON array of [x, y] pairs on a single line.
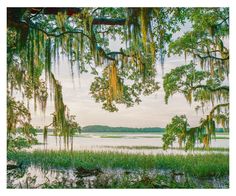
[[114, 142], [151, 143], [35, 177]]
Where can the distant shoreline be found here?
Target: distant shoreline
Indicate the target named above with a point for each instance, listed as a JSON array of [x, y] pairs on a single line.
[[103, 128]]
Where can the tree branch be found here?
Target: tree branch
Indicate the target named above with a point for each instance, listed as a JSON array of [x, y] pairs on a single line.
[[69, 11], [49, 34], [53, 10], [109, 21], [210, 56], [225, 88], [106, 55], [217, 107]]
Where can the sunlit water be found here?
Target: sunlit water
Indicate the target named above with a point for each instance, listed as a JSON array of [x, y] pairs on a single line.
[[114, 142]]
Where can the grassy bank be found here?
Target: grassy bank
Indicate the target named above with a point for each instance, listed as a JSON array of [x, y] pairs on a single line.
[[195, 165]]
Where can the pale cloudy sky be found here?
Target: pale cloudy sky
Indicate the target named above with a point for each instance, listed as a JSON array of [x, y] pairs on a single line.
[[152, 111]]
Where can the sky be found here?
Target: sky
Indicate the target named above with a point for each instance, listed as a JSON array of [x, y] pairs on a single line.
[[151, 112]]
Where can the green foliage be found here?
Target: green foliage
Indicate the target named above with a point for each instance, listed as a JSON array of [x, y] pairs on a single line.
[[15, 143], [63, 123], [85, 41], [182, 80], [177, 129], [20, 133], [119, 89], [206, 80]]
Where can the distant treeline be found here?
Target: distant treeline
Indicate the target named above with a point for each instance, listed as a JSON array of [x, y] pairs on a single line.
[[102, 128]]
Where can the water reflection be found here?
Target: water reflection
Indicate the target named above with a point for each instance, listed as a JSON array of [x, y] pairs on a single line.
[[35, 177]]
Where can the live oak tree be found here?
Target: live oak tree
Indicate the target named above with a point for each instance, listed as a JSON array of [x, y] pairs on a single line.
[[38, 36], [205, 79]]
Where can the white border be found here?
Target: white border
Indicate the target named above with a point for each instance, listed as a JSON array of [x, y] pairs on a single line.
[[117, 3], [120, 3]]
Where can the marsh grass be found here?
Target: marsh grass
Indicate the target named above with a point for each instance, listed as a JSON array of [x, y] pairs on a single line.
[[207, 165], [128, 137], [172, 148], [222, 137], [112, 136]]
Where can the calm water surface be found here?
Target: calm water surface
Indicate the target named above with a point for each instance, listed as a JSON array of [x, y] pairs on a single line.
[[109, 142]]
